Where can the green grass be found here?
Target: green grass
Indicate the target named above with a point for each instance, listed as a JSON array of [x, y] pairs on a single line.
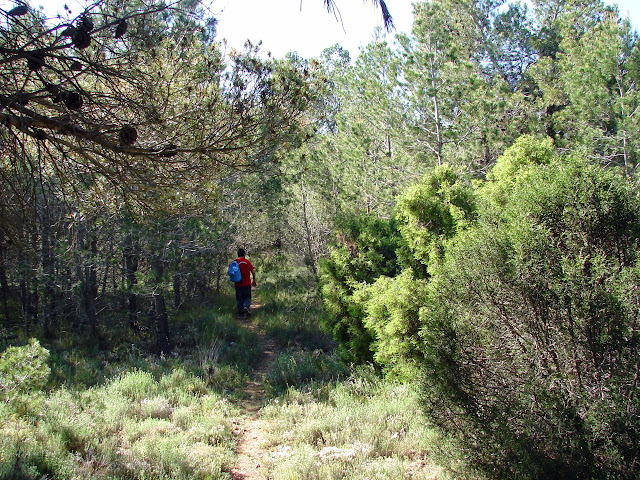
[[127, 414], [360, 428], [135, 426], [299, 369]]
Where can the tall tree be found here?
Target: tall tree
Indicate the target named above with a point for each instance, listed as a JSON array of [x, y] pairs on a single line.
[[440, 83], [600, 73], [108, 117], [133, 99], [364, 157]]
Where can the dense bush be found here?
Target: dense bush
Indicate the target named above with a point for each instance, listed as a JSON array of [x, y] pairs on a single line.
[[23, 370], [519, 312], [357, 288], [431, 212], [530, 326], [392, 307], [303, 368], [365, 250]]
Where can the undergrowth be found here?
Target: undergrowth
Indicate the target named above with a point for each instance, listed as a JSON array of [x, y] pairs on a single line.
[[127, 414], [362, 427], [134, 426]]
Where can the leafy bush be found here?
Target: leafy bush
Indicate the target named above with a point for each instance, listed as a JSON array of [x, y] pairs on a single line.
[[369, 322], [392, 308], [530, 328], [366, 249], [231, 343], [136, 385], [23, 370], [431, 212]]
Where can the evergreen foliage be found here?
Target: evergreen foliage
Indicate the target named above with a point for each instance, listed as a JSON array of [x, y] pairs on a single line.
[[524, 332], [365, 249], [530, 342], [392, 316], [486, 241], [23, 370], [431, 212]]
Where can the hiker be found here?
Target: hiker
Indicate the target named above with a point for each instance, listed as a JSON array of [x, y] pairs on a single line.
[[243, 287]]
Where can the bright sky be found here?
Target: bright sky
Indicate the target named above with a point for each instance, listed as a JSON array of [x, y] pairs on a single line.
[[304, 26]]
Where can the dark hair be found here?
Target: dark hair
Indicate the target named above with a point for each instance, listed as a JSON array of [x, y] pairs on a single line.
[[241, 252]]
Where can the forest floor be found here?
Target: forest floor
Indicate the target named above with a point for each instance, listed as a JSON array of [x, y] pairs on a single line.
[[250, 436], [253, 430]]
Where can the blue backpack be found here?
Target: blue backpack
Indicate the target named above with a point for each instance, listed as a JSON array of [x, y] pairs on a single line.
[[235, 275]]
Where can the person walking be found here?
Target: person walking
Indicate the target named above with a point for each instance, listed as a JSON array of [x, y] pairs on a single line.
[[243, 287]]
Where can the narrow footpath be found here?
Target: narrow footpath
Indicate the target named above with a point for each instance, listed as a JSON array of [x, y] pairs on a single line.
[[251, 453]]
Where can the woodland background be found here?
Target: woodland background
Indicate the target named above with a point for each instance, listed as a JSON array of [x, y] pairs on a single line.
[[459, 210]]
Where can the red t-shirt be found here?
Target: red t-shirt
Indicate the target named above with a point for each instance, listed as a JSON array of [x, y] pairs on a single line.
[[245, 269]]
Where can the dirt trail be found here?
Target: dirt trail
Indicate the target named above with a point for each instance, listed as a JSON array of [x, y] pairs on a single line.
[[251, 453]]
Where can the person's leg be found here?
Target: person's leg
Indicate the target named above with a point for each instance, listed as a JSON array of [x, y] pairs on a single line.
[[239, 301], [246, 303]]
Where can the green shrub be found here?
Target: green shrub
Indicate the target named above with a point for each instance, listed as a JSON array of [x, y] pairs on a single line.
[[359, 428], [431, 212], [294, 332], [530, 328], [136, 385], [23, 370], [179, 385], [527, 152], [301, 368], [365, 250], [225, 378], [226, 342], [133, 427], [392, 308]]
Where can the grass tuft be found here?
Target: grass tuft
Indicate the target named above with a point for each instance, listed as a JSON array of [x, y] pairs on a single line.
[[303, 368], [359, 428], [133, 427]]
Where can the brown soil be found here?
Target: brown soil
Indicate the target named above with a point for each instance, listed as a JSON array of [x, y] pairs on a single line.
[[250, 449]]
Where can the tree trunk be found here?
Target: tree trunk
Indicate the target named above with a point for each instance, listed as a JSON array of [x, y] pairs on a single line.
[[4, 283], [163, 339], [436, 113], [50, 320], [86, 274], [29, 287], [131, 255], [162, 320], [307, 231], [218, 278], [177, 285]]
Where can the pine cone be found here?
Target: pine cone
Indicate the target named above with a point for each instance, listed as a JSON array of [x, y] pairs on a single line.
[[86, 23], [128, 135], [72, 100], [82, 39], [35, 60], [18, 11], [121, 29]]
